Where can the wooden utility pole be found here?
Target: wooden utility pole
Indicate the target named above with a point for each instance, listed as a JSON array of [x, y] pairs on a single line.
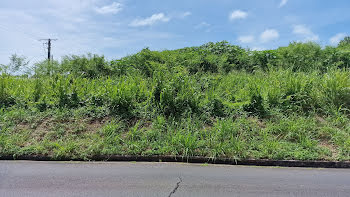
[[48, 47]]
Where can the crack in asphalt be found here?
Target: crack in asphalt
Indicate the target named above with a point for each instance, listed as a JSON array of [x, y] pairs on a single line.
[[176, 187]]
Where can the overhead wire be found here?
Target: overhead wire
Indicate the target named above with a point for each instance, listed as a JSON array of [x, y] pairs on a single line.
[[20, 31], [28, 35]]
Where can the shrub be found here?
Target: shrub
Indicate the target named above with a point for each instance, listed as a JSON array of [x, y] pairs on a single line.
[[6, 99], [300, 56], [90, 66], [176, 95]]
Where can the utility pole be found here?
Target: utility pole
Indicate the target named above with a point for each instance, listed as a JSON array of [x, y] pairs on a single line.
[[48, 47]]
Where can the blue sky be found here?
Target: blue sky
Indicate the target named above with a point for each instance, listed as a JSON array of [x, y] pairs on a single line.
[[117, 28]]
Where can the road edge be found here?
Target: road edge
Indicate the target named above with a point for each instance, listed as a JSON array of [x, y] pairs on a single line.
[[195, 159]]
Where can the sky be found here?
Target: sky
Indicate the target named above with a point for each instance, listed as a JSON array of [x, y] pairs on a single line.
[[116, 28]]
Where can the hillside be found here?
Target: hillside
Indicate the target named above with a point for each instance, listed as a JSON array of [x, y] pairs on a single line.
[[216, 100]]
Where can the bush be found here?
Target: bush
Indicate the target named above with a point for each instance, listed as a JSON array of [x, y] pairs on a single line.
[[336, 58], [6, 100], [90, 66], [300, 56], [125, 95], [175, 95]]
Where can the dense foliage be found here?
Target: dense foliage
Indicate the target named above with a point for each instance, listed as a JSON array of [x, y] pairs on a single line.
[[216, 100]]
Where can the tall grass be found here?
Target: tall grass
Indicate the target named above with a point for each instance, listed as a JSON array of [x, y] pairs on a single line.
[[177, 94], [213, 100]]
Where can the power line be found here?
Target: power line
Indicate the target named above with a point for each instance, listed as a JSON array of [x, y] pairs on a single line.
[[18, 30], [47, 44]]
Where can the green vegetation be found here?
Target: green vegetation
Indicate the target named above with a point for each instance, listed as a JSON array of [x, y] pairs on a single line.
[[216, 100]]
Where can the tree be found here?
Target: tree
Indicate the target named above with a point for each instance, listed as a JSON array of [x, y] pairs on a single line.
[[16, 64], [344, 42], [46, 67]]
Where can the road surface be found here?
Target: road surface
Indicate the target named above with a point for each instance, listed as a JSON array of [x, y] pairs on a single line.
[[46, 179]]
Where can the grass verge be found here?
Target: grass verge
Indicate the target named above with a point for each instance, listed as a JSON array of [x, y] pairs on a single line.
[[72, 134]]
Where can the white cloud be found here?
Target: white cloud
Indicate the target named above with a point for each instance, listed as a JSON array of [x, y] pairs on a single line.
[[185, 14], [305, 32], [246, 39], [179, 15], [76, 26], [203, 25], [238, 14], [155, 18], [269, 35], [70, 10], [337, 38], [283, 3], [114, 8]]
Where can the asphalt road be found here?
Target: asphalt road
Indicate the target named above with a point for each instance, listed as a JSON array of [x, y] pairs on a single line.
[[23, 178]]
